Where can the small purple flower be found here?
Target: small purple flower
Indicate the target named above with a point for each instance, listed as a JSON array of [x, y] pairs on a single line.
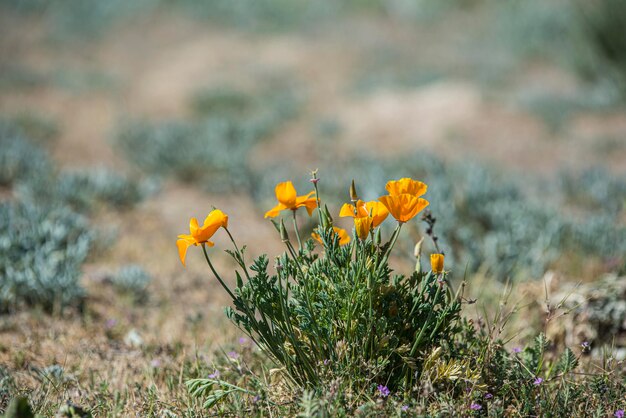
[[475, 407], [314, 180], [404, 408], [110, 323], [256, 399], [517, 350], [384, 391], [488, 396], [215, 375], [326, 362], [243, 341], [233, 354], [619, 413], [585, 346], [156, 363], [538, 381]]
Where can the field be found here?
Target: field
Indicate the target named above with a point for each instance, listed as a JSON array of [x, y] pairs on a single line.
[[121, 121]]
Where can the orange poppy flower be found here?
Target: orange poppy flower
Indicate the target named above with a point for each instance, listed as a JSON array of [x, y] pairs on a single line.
[[344, 238], [375, 210], [201, 234], [363, 226], [436, 263], [287, 199], [406, 186], [403, 207]]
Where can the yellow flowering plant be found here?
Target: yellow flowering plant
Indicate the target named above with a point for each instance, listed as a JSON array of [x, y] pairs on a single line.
[[331, 307]]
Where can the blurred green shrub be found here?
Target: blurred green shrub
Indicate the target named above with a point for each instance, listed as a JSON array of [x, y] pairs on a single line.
[[585, 36], [213, 150], [20, 160], [603, 24], [39, 127], [83, 189], [42, 250], [44, 238], [132, 279]]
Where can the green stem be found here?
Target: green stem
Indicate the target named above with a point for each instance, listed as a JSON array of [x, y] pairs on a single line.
[[295, 226], [394, 238], [217, 276]]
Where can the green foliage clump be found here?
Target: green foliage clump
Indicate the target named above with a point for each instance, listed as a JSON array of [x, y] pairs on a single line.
[[132, 279], [474, 374], [44, 236], [41, 252], [37, 126], [215, 149], [585, 36], [341, 316], [7, 387], [84, 189], [20, 160]]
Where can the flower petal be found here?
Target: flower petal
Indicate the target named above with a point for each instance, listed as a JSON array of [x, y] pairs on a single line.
[[215, 220], [286, 194], [377, 211], [216, 217], [183, 243], [436, 263], [310, 203], [344, 238], [406, 185], [363, 226], [193, 226], [403, 207], [272, 213], [316, 237], [347, 210]]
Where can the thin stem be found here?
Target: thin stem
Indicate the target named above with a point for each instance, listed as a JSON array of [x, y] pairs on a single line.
[[217, 276], [394, 238], [295, 226], [317, 199]]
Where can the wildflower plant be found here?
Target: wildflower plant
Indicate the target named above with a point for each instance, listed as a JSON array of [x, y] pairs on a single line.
[[332, 309]]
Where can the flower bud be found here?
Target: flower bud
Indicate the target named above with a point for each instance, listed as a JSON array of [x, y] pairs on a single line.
[[284, 237], [327, 219], [353, 195], [417, 251], [436, 263]]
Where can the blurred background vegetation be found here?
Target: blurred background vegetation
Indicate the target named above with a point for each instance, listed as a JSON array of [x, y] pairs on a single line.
[[119, 120]]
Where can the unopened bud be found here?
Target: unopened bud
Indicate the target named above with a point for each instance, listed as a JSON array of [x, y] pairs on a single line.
[[418, 248], [353, 195], [327, 219], [283, 232]]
